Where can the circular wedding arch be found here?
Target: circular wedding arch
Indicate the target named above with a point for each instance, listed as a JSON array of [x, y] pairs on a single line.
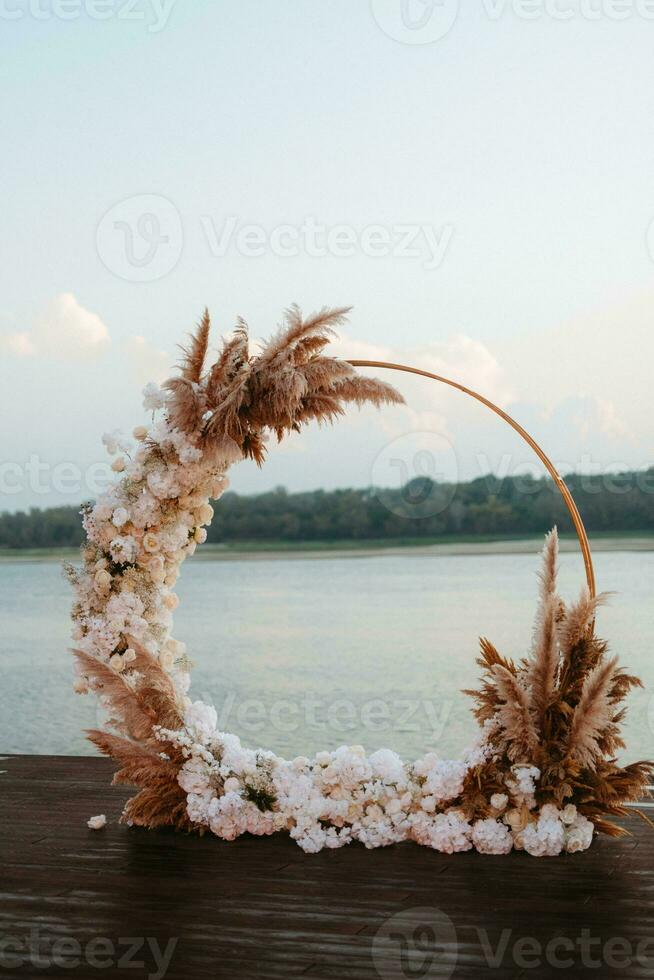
[[542, 774]]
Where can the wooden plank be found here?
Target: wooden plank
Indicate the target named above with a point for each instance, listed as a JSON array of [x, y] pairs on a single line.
[[262, 908]]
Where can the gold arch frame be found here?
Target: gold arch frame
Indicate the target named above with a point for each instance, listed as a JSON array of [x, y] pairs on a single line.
[[544, 458]]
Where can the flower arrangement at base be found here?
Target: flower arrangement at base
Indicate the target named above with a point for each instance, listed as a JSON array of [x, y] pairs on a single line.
[[542, 775]]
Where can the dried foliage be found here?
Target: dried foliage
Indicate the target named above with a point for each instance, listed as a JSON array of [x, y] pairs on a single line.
[[288, 384], [560, 710], [145, 761]]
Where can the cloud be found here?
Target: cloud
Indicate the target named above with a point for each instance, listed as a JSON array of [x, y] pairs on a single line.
[[19, 344], [65, 330], [428, 406], [148, 363], [460, 358], [601, 415], [603, 353]]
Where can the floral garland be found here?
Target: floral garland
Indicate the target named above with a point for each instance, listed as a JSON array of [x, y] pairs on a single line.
[[542, 775]]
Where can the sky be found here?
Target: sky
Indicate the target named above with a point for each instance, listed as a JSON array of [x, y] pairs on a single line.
[[476, 180]]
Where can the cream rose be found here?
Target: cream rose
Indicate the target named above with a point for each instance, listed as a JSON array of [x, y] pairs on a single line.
[[157, 570], [205, 514], [151, 542], [119, 517], [102, 580]]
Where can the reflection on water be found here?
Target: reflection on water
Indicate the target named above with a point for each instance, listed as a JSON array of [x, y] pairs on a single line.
[[299, 655]]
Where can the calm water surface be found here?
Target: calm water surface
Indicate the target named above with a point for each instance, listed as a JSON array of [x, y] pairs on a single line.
[[299, 655]]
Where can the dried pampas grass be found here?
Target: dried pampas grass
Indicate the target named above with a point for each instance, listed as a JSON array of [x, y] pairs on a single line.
[[287, 385], [560, 710]]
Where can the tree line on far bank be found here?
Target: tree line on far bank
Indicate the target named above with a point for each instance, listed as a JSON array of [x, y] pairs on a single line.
[[617, 503]]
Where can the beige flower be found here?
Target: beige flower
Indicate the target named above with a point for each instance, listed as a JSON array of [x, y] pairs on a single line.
[[117, 663], [200, 535], [151, 542], [517, 819], [569, 814], [204, 514], [157, 570], [102, 580], [171, 601], [118, 464], [119, 517], [140, 432]]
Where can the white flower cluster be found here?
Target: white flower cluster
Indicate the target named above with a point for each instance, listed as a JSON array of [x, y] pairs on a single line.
[[344, 796], [138, 534]]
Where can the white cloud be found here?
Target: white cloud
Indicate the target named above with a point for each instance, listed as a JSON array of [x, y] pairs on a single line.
[[601, 415], [428, 406], [20, 344], [148, 363], [460, 359], [603, 354], [65, 330]]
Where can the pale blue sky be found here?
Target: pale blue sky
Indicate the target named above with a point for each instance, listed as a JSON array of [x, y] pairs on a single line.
[[524, 147]]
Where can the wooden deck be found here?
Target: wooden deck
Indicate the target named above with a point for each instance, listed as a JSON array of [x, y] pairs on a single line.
[[79, 903]]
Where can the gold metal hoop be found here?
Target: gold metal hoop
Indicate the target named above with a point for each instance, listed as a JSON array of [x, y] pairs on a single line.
[[547, 462]]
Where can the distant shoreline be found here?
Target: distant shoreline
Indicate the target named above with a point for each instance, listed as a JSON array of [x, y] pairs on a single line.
[[276, 551]]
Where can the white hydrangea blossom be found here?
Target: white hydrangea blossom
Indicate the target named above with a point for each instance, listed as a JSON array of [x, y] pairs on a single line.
[[345, 796], [139, 532], [154, 397], [491, 837]]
